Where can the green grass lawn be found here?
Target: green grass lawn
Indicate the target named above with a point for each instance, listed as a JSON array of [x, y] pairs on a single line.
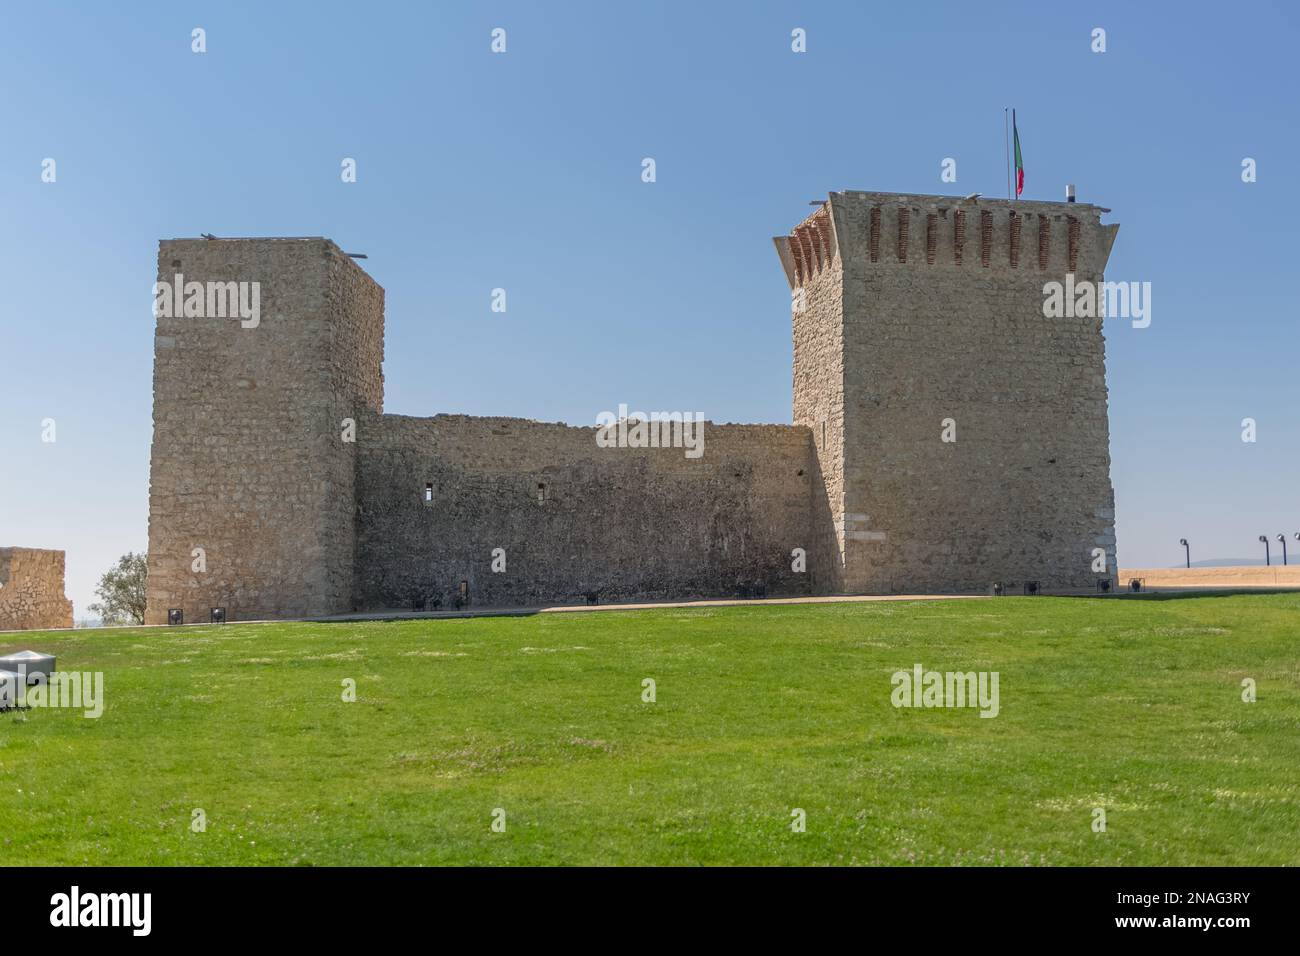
[[1130, 705]]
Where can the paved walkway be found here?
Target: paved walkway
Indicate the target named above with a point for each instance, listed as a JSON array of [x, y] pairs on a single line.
[[396, 615], [650, 606]]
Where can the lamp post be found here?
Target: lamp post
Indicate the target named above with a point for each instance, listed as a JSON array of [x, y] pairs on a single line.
[[1282, 538], [1264, 538], [1188, 549]]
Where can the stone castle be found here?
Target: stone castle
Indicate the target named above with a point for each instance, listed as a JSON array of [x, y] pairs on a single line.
[[946, 436]]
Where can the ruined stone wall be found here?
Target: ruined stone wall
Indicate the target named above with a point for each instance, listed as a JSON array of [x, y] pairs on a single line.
[[943, 319], [628, 523], [31, 590], [248, 459]]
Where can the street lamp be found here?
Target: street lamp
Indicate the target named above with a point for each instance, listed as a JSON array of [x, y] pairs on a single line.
[[1188, 549], [1264, 538], [1282, 538]]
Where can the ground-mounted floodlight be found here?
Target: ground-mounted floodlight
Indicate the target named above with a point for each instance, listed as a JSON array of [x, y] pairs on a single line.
[[1135, 585], [175, 615], [217, 615], [1282, 538], [1264, 538], [1103, 585], [1187, 550], [1031, 588], [998, 590]]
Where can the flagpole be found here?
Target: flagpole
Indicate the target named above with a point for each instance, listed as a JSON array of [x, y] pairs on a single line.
[[1017, 134], [1006, 149]]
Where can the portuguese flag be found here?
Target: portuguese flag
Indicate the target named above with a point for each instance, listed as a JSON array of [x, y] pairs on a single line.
[[1020, 163]]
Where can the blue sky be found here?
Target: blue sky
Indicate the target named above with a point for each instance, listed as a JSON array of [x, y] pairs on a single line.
[[522, 171]]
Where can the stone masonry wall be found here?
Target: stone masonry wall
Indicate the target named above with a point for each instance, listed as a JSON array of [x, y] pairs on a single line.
[[31, 590], [1240, 576], [248, 460], [943, 319], [817, 319], [628, 523]]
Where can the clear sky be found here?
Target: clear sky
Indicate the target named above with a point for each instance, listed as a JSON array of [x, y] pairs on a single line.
[[523, 171]]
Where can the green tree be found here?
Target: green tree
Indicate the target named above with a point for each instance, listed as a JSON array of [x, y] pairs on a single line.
[[121, 591]]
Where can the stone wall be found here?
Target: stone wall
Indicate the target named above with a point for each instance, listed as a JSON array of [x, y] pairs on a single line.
[[31, 590], [572, 517], [248, 460], [817, 320], [1243, 576], [942, 318]]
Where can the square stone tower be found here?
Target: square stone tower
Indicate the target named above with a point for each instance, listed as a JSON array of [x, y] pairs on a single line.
[[961, 436], [252, 471]]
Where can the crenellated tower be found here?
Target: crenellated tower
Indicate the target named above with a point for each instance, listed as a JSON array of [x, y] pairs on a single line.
[[961, 436]]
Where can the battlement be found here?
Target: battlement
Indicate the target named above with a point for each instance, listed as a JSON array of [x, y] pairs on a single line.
[[873, 230]]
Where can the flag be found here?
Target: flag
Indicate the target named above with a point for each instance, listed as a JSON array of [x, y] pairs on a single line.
[[1020, 163]]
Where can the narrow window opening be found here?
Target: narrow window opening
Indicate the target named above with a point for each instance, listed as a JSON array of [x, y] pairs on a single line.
[[428, 492], [541, 493]]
